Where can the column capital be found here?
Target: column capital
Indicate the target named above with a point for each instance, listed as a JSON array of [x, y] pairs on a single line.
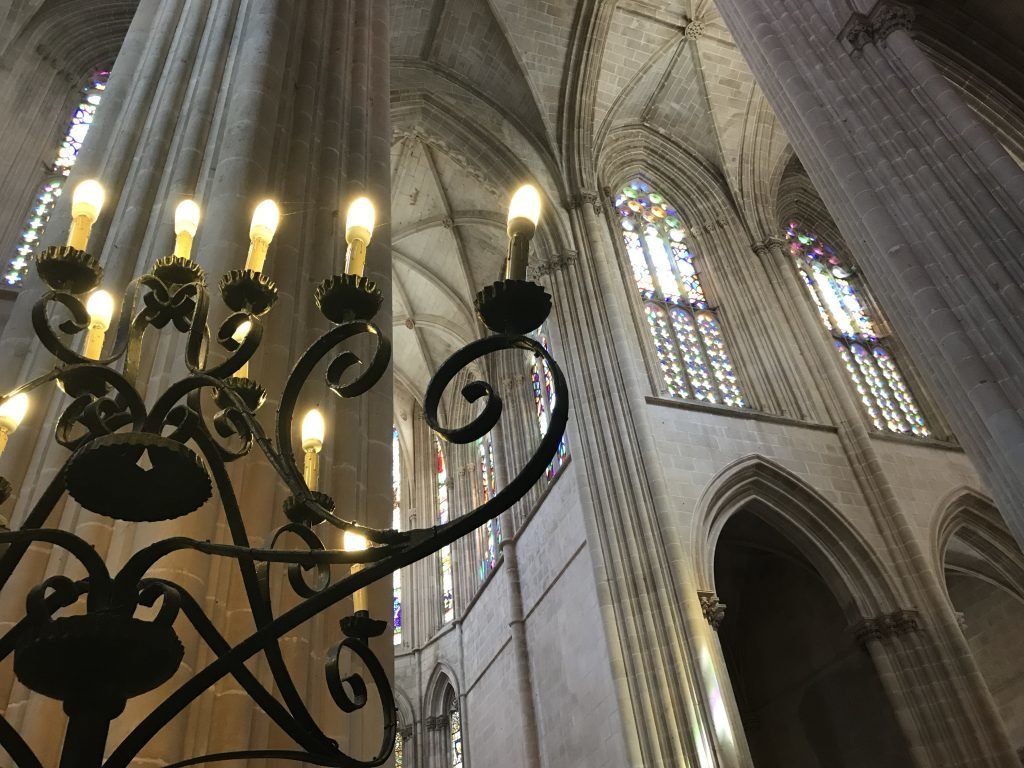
[[760, 250], [905, 621], [584, 197], [712, 608], [552, 264], [406, 732], [436, 723], [884, 19], [774, 242]]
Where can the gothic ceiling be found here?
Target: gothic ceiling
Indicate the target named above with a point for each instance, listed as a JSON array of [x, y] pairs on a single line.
[[495, 72]]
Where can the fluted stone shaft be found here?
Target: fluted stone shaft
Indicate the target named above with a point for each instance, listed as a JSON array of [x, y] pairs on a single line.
[[230, 101], [947, 272]]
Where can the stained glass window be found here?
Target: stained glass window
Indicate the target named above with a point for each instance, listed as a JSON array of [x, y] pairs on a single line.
[[399, 750], [455, 735], [833, 286], [687, 332], [56, 174], [396, 523], [490, 533], [544, 399], [447, 581]]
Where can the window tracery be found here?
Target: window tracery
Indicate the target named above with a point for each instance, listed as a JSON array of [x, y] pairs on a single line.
[[544, 400], [491, 532], [56, 174], [832, 284], [687, 332]]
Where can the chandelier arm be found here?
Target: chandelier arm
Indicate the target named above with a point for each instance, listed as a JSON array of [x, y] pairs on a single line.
[[91, 384], [259, 602], [28, 386], [259, 693], [303, 369], [84, 552], [244, 351], [197, 341], [35, 519], [330, 761], [50, 603], [16, 747], [420, 544]]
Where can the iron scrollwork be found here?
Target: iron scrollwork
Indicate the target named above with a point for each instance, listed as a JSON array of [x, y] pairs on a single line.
[[137, 464]]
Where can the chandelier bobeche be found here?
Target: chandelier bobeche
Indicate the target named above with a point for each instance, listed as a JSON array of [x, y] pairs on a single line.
[[141, 463]]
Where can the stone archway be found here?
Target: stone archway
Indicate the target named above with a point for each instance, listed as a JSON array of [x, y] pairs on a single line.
[[807, 692]]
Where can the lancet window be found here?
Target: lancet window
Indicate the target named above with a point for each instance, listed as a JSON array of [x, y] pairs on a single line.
[[396, 523], [491, 533], [835, 291], [544, 399], [443, 513], [56, 174], [687, 333], [455, 734]]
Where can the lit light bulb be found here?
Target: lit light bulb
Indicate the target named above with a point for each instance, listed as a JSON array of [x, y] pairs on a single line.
[[354, 542], [523, 215], [186, 218], [241, 332], [12, 412], [86, 204], [100, 307], [525, 204], [313, 431], [359, 222], [186, 224], [265, 219]]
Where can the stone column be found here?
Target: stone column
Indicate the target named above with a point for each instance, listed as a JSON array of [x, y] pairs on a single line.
[[232, 101], [913, 176]]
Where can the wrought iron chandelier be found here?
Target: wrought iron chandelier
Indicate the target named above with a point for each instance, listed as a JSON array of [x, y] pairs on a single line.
[[142, 463]]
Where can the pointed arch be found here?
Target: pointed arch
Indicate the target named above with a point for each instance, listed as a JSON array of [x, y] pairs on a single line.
[[838, 552], [972, 517], [441, 684]]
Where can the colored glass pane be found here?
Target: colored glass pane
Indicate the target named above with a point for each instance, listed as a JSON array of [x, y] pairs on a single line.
[[544, 398], [447, 580], [399, 750], [491, 532], [832, 284], [396, 523], [455, 737], [53, 185], [687, 335]]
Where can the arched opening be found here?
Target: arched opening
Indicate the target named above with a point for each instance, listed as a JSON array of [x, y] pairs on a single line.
[[983, 572], [808, 695]]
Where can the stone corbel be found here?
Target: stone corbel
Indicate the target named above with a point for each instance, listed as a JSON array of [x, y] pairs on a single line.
[[712, 608]]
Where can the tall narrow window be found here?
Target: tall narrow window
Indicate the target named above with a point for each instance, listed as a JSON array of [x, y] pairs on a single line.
[[687, 333], [56, 174], [832, 284], [447, 582], [490, 533], [455, 733], [544, 399], [396, 523], [399, 750]]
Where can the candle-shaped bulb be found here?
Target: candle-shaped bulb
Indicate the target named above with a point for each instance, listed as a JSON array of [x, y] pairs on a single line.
[[359, 222], [100, 307], [354, 542], [12, 412], [186, 224], [313, 431], [525, 205], [265, 219], [241, 332], [523, 215], [86, 204]]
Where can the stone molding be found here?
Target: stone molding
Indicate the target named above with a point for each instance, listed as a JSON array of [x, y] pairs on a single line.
[[712, 608], [961, 621], [406, 732], [552, 264], [884, 19], [886, 626]]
